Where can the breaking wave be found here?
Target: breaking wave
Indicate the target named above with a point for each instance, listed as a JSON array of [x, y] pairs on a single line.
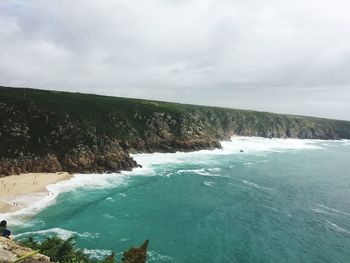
[[60, 232], [257, 186]]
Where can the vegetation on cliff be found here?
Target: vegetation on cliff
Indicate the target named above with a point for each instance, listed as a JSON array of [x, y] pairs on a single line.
[[54, 249], [54, 131], [64, 251]]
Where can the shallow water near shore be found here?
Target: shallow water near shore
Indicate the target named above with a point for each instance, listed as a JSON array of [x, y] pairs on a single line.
[[277, 201]]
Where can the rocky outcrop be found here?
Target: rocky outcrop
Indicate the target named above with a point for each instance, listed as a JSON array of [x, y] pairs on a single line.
[[10, 252], [50, 164], [43, 131], [86, 162], [136, 254]]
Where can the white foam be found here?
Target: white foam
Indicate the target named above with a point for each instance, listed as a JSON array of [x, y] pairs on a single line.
[[338, 228], [124, 239], [202, 172], [320, 211], [257, 144], [197, 171], [88, 181], [145, 159], [60, 232], [249, 145], [257, 186], [31, 203], [35, 202], [209, 183], [333, 210], [97, 253], [216, 169], [342, 142], [154, 256]]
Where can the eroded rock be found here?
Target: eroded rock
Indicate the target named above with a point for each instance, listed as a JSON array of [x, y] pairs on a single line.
[[10, 252]]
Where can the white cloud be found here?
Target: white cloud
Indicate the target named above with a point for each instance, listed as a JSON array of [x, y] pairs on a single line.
[[285, 56]]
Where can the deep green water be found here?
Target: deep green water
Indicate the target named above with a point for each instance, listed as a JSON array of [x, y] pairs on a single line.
[[278, 201]]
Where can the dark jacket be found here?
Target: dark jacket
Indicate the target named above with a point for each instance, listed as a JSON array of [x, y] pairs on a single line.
[[4, 232]]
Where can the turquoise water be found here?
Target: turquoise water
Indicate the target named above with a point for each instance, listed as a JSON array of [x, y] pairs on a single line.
[[278, 201]]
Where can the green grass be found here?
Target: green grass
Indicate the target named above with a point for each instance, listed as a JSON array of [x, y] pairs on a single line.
[[84, 116]]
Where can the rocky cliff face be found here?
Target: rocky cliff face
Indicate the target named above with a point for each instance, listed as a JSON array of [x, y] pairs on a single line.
[[43, 131], [37, 140], [10, 252]]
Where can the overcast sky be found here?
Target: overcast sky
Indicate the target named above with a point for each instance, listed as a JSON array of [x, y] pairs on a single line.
[[272, 55]]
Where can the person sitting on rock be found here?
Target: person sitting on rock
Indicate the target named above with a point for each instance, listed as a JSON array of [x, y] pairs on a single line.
[[4, 232]]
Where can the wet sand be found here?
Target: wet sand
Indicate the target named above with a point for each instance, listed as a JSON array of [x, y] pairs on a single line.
[[11, 187]]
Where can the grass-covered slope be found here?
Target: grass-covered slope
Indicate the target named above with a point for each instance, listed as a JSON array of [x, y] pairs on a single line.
[[54, 249], [52, 131]]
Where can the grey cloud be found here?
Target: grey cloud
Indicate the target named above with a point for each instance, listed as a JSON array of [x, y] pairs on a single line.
[[284, 56]]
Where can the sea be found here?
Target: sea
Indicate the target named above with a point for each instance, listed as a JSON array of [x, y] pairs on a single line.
[[254, 200]]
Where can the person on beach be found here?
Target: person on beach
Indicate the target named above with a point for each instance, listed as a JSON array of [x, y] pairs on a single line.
[[4, 232]]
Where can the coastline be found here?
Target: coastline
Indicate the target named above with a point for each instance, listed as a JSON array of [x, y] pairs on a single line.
[[27, 193], [14, 187]]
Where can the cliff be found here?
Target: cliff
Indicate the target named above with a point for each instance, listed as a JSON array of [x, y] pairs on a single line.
[[10, 252], [50, 131]]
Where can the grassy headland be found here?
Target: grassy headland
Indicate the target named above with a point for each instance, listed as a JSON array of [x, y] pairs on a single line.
[[50, 131]]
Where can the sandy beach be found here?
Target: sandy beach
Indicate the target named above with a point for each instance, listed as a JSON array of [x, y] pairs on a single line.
[[14, 186]]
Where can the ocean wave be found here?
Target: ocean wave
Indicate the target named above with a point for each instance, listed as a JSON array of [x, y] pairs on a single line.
[[35, 202], [147, 159], [31, 204], [197, 171], [343, 142], [103, 253], [59, 232], [154, 256], [256, 145], [95, 181], [209, 183], [338, 228], [202, 172], [251, 145], [321, 211], [108, 216], [257, 186], [215, 169], [333, 210], [98, 253], [146, 169]]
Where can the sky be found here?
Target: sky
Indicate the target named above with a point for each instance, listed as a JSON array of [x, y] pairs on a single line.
[[270, 55]]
